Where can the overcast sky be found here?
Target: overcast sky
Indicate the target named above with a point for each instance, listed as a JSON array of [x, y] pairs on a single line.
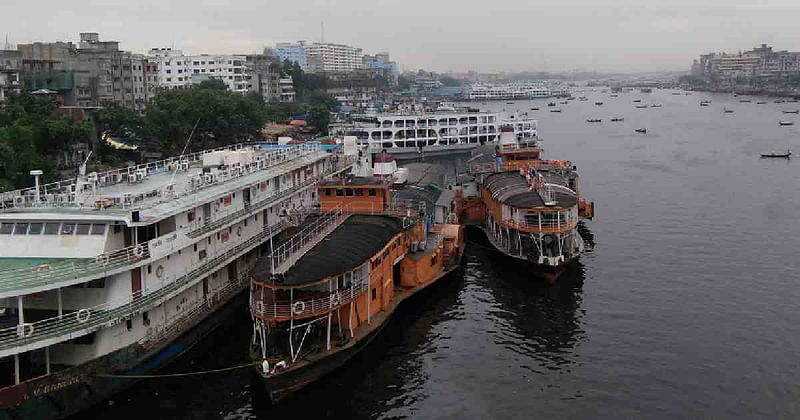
[[439, 35]]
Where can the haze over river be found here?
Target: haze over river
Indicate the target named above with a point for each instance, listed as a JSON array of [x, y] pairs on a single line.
[[687, 303]]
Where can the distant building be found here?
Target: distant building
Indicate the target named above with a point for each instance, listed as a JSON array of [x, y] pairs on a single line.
[[333, 58], [266, 80], [381, 61], [177, 71], [294, 52], [9, 73], [761, 61]]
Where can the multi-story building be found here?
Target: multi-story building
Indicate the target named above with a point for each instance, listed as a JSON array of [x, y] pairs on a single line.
[[333, 58], [176, 70], [264, 78], [761, 61], [93, 73], [286, 89], [294, 52], [9, 73], [381, 61]]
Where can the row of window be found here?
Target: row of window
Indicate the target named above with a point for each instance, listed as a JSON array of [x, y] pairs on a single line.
[[349, 192], [52, 228]]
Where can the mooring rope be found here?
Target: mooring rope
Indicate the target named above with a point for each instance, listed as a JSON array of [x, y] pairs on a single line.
[[177, 375]]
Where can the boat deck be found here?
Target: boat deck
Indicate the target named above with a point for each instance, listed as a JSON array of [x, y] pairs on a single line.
[[353, 242]]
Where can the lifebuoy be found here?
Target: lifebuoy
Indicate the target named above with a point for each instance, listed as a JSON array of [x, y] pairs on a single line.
[[44, 270], [160, 271], [298, 307], [102, 260], [24, 330], [83, 315], [239, 231], [138, 250]]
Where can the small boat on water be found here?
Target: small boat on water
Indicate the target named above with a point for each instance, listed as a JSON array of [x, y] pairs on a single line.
[[641, 106], [583, 98], [744, 101], [563, 102], [786, 155], [792, 100], [637, 100], [555, 110], [688, 93], [676, 93], [727, 111], [614, 95], [655, 106], [534, 109], [705, 103], [761, 102], [785, 123], [594, 120], [796, 111], [779, 101], [598, 103], [641, 130], [551, 104], [617, 119]]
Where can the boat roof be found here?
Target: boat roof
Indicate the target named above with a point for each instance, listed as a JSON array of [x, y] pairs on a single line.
[[512, 189], [353, 242]]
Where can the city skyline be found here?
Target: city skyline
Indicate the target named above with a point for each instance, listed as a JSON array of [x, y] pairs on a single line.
[[627, 36]]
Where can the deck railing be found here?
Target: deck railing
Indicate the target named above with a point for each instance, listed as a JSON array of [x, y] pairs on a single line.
[[64, 194], [306, 308]]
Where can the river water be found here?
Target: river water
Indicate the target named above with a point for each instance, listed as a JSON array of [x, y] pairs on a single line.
[[685, 305]]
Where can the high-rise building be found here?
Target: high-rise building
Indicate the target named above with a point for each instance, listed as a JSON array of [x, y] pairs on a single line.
[[9, 73], [333, 58], [294, 52]]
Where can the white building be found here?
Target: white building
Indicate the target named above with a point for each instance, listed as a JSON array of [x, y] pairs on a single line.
[[176, 70], [333, 58]]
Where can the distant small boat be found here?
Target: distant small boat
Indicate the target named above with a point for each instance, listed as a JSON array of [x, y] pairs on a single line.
[[641, 130], [705, 103], [727, 111], [792, 100], [760, 103], [676, 93], [614, 95], [594, 120], [598, 103], [637, 100], [655, 106], [744, 101], [617, 119], [641, 106], [583, 98], [786, 155], [551, 104], [785, 123], [796, 111], [556, 110], [510, 103], [563, 102], [688, 93], [534, 109], [779, 101]]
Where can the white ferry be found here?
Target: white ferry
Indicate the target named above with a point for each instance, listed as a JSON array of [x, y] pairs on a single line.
[[487, 92], [408, 136], [115, 274]]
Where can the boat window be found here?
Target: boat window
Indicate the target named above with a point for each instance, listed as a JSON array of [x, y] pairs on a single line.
[[98, 229], [359, 192], [372, 192], [374, 294], [67, 228], [35, 229], [339, 192], [6, 228], [51, 228], [328, 192], [83, 229], [348, 192], [20, 228]]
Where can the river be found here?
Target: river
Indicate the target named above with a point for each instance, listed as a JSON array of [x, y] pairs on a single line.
[[685, 304]]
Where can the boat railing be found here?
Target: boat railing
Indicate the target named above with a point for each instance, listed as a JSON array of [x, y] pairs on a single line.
[[543, 226], [284, 256], [30, 336], [512, 165], [305, 308], [66, 194]]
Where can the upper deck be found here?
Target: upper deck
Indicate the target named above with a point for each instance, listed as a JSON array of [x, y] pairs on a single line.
[[158, 189]]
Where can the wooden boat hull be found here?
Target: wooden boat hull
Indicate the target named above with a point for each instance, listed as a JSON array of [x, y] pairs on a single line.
[[280, 387]]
